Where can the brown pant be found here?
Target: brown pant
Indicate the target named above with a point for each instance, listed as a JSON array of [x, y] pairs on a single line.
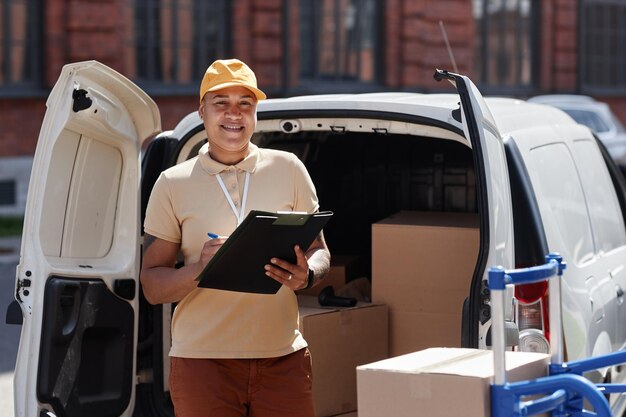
[[272, 387]]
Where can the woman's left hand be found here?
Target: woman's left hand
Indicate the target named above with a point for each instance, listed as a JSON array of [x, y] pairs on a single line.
[[294, 276]]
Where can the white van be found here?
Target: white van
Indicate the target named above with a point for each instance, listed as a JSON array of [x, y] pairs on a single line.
[[536, 182]]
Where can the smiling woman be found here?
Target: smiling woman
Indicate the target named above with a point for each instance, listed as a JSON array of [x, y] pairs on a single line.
[[229, 117], [218, 334]]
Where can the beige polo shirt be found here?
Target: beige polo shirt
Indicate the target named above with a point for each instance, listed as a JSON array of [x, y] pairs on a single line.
[[186, 203]]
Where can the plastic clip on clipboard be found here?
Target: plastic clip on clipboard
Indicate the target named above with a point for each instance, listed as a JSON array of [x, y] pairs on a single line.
[[239, 264]]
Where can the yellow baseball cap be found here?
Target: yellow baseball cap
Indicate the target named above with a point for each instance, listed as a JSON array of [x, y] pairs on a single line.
[[227, 73]]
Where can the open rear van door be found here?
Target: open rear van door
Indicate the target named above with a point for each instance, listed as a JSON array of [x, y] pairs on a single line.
[[77, 280], [494, 205]]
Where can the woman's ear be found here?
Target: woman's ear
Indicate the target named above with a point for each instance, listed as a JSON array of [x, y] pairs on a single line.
[[201, 110]]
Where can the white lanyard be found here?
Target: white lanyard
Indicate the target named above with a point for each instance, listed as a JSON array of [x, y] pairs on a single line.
[[238, 213]]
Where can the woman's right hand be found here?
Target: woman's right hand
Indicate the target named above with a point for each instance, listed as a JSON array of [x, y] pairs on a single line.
[[210, 248]]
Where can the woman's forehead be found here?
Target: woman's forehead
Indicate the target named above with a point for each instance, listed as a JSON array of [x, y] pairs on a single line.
[[236, 91]]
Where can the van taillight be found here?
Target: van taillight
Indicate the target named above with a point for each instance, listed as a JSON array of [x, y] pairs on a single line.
[[531, 293], [532, 317]]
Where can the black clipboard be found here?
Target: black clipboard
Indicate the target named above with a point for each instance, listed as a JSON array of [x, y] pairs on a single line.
[[239, 264]]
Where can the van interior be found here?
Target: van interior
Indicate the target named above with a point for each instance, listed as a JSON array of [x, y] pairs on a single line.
[[366, 177]]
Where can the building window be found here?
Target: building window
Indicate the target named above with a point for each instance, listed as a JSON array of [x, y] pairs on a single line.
[[20, 45], [173, 41], [602, 53], [339, 40], [7, 193], [506, 44]]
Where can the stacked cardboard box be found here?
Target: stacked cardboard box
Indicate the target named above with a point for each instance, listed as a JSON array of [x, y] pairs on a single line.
[[422, 267], [439, 382], [343, 268], [340, 339]]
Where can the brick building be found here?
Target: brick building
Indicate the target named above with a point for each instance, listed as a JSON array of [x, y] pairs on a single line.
[[513, 47]]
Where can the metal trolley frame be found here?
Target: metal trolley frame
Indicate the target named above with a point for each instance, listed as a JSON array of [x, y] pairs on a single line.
[[564, 391]]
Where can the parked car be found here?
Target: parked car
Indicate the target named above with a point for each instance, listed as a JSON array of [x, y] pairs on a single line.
[[536, 181], [594, 114]]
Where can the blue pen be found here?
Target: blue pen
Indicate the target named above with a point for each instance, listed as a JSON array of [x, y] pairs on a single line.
[[212, 235]]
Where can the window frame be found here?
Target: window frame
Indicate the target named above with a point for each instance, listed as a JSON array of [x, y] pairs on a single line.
[[157, 85], [482, 53], [316, 82], [30, 85], [588, 86]]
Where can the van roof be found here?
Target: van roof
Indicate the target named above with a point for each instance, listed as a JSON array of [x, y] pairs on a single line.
[[510, 114], [434, 106], [513, 114]]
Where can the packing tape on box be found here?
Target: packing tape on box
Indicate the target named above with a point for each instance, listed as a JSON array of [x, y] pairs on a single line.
[[438, 366]]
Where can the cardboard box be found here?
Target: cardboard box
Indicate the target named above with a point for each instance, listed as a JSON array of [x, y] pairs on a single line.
[[343, 268], [340, 339], [422, 267], [439, 382]]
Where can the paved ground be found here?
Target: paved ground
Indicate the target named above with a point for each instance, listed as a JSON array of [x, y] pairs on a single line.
[[9, 334]]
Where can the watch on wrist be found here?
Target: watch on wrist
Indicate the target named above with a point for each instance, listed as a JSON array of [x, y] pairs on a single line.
[[310, 279]]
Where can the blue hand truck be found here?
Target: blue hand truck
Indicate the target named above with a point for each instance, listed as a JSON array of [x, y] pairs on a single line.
[[564, 391]]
